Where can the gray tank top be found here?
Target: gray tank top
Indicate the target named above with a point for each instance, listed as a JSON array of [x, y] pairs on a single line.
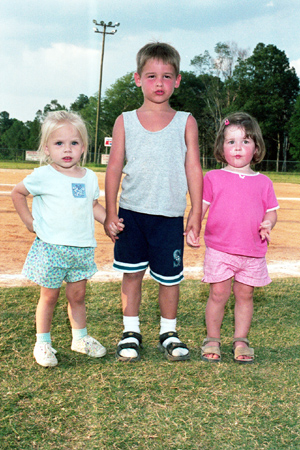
[[155, 179]]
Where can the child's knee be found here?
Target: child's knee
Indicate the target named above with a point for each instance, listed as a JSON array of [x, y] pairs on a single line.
[[219, 296], [134, 277], [49, 296], [76, 294], [220, 291]]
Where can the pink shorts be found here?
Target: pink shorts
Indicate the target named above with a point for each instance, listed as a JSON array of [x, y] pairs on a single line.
[[220, 266]]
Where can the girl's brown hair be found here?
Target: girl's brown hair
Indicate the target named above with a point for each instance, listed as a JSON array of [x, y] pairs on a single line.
[[252, 130]]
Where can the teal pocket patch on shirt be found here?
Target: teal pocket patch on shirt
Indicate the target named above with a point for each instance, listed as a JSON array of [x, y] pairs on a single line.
[[78, 190]]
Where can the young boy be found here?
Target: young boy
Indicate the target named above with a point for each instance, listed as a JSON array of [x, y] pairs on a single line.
[[161, 150]]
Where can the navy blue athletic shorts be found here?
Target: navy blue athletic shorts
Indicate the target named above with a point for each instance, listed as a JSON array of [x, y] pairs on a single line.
[[154, 241]]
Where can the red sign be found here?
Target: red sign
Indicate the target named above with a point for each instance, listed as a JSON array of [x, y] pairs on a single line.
[[107, 141]]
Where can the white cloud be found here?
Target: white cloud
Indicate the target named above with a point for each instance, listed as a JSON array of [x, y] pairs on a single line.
[[296, 65], [61, 72], [49, 51]]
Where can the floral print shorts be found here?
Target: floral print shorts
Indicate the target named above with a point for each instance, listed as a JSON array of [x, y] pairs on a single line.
[[49, 265]]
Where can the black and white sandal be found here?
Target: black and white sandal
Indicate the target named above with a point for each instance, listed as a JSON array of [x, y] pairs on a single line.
[[130, 345], [168, 350]]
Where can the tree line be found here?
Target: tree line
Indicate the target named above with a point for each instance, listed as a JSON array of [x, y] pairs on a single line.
[[262, 84]]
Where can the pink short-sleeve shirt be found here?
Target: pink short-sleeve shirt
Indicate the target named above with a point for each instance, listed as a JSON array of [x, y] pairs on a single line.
[[237, 206]]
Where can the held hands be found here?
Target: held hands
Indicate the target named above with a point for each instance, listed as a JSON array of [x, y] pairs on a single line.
[[265, 230], [192, 231], [191, 239], [116, 228], [113, 227]]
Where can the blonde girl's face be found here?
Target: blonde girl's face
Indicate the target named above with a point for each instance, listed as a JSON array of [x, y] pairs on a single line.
[[238, 149], [65, 147]]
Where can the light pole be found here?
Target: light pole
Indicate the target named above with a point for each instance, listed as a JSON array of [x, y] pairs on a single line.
[[104, 32]]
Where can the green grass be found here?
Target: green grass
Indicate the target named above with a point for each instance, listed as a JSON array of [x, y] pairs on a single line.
[[280, 177], [32, 164], [85, 403], [18, 165], [284, 177]]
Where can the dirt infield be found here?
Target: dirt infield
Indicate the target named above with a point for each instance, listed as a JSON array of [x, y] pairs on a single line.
[[283, 255]]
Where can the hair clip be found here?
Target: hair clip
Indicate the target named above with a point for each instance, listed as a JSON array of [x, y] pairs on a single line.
[[226, 122]]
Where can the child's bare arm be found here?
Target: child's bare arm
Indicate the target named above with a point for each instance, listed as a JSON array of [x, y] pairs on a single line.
[[19, 197], [99, 212], [205, 207], [267, 224], [113, 176], [100, 215], [195, 181], [191, 239]]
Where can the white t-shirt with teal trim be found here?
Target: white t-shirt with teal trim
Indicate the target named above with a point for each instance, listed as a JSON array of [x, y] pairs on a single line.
[[62, 206]]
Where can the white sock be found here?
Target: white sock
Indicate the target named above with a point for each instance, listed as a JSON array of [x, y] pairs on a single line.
[[170, 325], [131, 323], [167, 325]]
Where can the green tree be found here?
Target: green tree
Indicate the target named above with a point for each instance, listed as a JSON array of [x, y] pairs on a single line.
[[53, 106], [191, 97], [34, 128], [88, 112], [5, 122], [215, 72], [266, 87], [123, 95], [80, 103], [294, 131], [14, 140]]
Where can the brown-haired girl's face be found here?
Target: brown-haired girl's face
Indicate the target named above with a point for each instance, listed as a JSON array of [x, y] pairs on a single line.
[[238, 148]]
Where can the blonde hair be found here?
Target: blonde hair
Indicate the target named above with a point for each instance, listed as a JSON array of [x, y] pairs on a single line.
[[55, 120], [252, 130], [161, 51]]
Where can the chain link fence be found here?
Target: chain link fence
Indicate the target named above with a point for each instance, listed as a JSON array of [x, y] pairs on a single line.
[[266, 165]]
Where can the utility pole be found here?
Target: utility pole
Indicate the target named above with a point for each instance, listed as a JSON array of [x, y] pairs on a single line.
[[103, 32]]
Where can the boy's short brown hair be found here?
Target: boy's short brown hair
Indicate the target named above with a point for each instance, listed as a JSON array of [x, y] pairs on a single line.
[[252, 130], [158, 50]]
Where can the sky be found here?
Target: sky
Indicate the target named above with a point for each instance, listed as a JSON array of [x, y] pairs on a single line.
[[49, 51]]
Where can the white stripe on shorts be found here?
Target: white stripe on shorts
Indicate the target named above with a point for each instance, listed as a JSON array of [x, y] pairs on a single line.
[[130, 268], [167, 281]]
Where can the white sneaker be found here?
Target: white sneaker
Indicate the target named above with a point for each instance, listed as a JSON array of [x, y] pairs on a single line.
[[45, 355], [89, 346]]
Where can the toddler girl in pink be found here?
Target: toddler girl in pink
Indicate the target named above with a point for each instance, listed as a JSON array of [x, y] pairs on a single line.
[[242, 212]]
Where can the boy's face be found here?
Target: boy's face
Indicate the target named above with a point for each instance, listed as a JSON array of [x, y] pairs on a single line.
[[157, 80]]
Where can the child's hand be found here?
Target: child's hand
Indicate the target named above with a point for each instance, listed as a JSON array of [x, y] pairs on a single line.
[[113, 226], [192, 230], [265, 230], [30, 227], [116, 228], [191, 239]]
